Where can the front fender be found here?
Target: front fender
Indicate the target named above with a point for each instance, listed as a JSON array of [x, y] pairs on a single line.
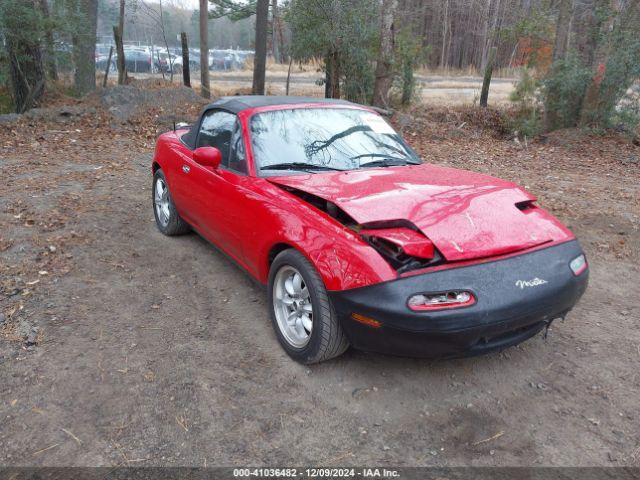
[[162, 151], [340, 256]]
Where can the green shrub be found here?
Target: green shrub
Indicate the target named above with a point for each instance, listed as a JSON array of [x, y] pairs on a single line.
[[526, 118], [408, 53], [6, 101], [563, 91]]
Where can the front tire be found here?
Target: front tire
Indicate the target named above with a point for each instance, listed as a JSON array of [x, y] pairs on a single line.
[[167, 218], [302, 315]]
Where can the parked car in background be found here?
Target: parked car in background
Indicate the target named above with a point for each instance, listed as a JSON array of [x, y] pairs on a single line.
[[194, 58], [244, 56], [216, 60], [139, 59], [103, 48], [102, 56], [235, 61], [168, 62], [102, 60], [223, 60], [156, 58]]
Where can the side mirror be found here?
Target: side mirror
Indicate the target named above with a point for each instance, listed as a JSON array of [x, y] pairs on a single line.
[[207, 157]]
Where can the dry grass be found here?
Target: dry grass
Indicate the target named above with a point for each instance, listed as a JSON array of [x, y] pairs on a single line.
[[446, 87], [504, 72], [449, 94]]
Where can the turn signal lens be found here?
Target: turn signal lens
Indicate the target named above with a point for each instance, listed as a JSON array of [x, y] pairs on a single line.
[[578, 264], [441, 300], [366, 320]]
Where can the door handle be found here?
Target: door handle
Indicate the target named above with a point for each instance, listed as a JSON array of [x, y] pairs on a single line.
[[186, 168]]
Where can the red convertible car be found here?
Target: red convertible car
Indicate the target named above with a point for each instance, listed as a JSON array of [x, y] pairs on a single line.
[[358, 241]]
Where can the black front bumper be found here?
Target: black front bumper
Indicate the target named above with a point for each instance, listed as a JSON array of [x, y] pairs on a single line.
[[504, 314]]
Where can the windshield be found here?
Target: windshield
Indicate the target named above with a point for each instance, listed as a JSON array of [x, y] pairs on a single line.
[[317, 139]]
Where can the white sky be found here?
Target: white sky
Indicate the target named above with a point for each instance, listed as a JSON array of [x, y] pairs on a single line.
[[192, 4]]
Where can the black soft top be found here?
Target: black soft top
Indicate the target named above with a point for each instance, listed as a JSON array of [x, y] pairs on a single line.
[[236, 104]]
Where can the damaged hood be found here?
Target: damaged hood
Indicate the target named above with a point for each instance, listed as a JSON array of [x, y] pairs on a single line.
[[466, 215]]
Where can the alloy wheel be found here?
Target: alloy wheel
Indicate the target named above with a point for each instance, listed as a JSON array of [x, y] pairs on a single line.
[[293, 306], [161, 200]]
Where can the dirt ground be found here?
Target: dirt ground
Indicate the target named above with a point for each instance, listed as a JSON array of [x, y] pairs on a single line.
[[120, 346]]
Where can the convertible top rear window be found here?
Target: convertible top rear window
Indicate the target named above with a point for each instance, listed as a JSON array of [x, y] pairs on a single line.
[[325, 138]]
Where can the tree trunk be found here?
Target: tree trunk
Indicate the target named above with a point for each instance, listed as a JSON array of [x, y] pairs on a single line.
[[281, 42], [424, 28], [328, 89], [275, 43], [120, 64], [408, 81], [446, 62], [486, 83], [84, 48], [289, 76], [562, 30], [122, 69], [108, 67], [260, 57], [336, 75], [332, 75], [587, 28], [445, 23], [589, 110], [50, 54], [332, 88], [490, 31], [485, 37], [186, 68], [615, 66], [205, 89], [551, 116], [384, 66], [26, 70], [121, 18]]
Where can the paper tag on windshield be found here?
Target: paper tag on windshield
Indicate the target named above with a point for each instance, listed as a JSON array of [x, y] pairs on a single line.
[[377, 124]]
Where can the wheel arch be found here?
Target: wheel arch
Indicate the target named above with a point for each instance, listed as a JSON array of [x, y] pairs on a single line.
[[279, 247], [340, 263], [276, 249], [162, 153]]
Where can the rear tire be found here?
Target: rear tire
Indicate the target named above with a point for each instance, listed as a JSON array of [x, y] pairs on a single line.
[[306, 343], [167, 218]]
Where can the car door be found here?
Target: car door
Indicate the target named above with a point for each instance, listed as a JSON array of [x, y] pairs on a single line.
[[237, 201], [198, 186], [223, 195]]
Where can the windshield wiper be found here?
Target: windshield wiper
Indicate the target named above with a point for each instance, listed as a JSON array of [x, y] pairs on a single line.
[[386, 161], [298, 166]]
